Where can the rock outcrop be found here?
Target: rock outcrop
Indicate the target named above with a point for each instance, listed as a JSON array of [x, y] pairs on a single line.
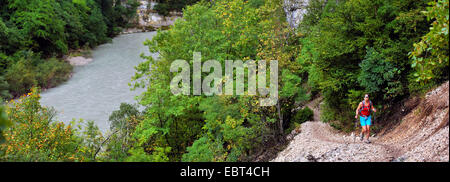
[[149, 20], [295, 10]]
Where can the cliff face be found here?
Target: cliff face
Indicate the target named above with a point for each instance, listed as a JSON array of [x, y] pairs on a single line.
[[295, 10], [148, 17]]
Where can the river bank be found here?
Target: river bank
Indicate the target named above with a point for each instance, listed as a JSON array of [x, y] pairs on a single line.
[[83, 56]]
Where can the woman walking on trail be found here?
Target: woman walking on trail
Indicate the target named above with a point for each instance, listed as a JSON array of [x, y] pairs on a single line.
[[364, 109]]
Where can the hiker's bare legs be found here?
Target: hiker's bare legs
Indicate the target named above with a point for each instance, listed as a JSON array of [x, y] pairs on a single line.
[[367, 131], [363, 130]]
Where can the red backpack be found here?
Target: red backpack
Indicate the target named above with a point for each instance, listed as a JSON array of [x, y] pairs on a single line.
[[365, 110]]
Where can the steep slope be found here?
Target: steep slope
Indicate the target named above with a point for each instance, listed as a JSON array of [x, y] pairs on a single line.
[[422, 135]]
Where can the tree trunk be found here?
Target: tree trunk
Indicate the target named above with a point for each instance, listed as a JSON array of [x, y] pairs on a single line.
[[280, 117]]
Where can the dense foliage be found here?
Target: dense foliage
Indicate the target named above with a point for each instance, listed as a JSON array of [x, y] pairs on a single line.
[[354, 47], [342, 50], [120, 141], [216, 128], [302, 115], [4, 123], [430, 55], [34, 32], [33, 134], [164, 7]]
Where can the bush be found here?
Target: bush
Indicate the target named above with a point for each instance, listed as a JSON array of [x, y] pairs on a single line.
[[21, 77], [34, 136], [200, 151], [165, 7], [416, 87], [378, 75], [292, 126], [4, 123], [52, 72], [302, 115], [305, 114], [162, 9], [4, 89]]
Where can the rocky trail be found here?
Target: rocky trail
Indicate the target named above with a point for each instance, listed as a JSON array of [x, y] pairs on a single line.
[[422, 135]]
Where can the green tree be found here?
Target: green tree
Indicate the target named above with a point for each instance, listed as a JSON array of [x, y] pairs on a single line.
[[38, 20], [224, 128], [123, 124], [377, 75], [430, 55], [334, 38]]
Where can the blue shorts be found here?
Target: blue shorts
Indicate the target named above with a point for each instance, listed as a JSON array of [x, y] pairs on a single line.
[[365, 120]]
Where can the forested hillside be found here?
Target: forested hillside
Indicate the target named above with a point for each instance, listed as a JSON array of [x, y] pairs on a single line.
[[389, 49], [376, 47], [341, 50]]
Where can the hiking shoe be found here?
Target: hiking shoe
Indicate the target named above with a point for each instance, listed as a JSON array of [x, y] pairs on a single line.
[[361, 136], [368, 141]]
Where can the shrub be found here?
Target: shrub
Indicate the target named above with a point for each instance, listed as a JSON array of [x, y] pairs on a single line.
[[21, 77], [4, 92], [200, 151], [162, 9], [165, 7], [34, 136], [416, 87], [52, 72], [302, 115], [4, 123], [292, 126], [378, 75], [305, 114]]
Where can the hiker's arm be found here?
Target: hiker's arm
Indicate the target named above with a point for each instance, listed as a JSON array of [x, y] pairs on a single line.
[[374, 110], [357, 109]]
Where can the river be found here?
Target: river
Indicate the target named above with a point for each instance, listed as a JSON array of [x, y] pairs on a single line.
[[97, 88]]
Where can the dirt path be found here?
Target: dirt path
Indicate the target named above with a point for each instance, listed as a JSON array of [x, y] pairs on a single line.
[[319, 142], [418, 138], [315, 106]]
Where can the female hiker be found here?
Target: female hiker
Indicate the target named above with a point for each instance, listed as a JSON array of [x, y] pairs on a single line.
[[364, 109]]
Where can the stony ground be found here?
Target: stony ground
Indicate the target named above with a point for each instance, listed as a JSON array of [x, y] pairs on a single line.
[[422, 135]]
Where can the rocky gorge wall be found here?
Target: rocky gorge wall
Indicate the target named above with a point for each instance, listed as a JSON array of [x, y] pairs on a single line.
[[149, 20], [295, 10]]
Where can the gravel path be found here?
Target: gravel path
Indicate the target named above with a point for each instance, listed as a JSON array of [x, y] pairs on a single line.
[[317, 141]]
